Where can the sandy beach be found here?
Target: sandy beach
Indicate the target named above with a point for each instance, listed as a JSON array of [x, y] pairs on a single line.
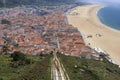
[[95, 33]]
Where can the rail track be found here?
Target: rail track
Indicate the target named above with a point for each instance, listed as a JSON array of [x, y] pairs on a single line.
[[58, 73]]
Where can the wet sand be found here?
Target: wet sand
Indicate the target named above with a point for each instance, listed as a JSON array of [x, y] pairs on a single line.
[[95, 33]]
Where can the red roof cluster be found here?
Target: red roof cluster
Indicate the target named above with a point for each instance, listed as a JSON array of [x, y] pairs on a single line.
[[35, 34]]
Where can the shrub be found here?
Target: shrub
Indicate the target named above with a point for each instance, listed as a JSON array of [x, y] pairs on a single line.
[[1, 78], [19, 59], [28, 61], [18, 56]]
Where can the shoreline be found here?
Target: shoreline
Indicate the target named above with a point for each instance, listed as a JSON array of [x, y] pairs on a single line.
[[103, 6], [87, 17]]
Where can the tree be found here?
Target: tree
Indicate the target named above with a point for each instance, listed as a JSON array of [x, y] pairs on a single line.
[[19, 59], [18, 56], [5, 49]]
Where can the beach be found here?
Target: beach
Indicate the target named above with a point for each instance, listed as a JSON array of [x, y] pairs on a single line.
[[95, 33]]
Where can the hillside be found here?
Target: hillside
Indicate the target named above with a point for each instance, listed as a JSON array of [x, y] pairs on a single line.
[[33, 68], [85, 69], [11, 3]]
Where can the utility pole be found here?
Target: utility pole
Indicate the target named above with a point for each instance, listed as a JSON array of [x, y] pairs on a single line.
[[4, 3]]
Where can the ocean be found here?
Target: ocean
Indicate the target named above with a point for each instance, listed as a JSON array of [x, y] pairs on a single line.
[[110, 16]]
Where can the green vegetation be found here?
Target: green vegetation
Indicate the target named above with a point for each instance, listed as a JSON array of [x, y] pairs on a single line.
[[18, 59], [19, 66], [5, 49], [85, 69], [18, 56]]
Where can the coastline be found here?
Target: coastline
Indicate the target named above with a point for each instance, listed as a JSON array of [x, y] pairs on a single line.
[[103, 6], [103, 37]]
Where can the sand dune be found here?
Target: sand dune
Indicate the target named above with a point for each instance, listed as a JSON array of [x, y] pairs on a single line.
[[86, 20]]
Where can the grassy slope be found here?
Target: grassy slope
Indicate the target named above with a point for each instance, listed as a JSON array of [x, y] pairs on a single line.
[[89, 69], [39, 70]]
